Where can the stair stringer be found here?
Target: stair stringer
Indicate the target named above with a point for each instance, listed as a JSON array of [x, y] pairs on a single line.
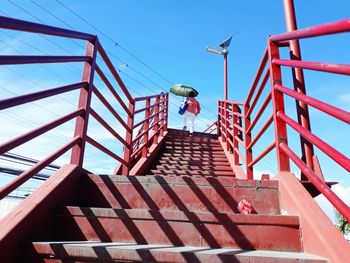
[[31, 219], [319, 235]]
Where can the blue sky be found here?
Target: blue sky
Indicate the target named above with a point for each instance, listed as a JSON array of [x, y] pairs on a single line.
[[170, 38]]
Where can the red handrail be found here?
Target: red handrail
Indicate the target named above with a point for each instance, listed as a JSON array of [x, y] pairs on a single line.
[[87, 90], [272, 63]]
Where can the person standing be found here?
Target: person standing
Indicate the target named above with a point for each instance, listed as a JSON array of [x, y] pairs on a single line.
[[192, 111]]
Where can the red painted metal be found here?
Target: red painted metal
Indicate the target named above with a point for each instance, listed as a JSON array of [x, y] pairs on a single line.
[[107, 126], [129, 133], [262, 154], [19, 100], [81, 125], [299, 83], [315, 31], [110, 108], [146, 127], [261, 68], [340, 158], [259, 113], [105, 150], [278, 105], [261, 132], [320, 185], [115, 74], [322, 106], [21, 25], [11, 144], [25, 176], [15, 60], [343, 69], [112, 90]]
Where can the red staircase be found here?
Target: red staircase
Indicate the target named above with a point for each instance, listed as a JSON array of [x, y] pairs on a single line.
[[185, 212], [177, 197]]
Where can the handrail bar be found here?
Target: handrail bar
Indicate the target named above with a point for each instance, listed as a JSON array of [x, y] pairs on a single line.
[[261, 132], [260, 112], [338, 157], [240, 155], [144, 120], [21, 59], [322, 106], [111, 89], [257, 77], [147, 108], [110, 108], [260, 90], [17, 24], [150, 128], [9, 145], [25, 176], [317, 182], [240, 141], [107, 127], [144, 144], [343, 69], [23, 99], [268, 149], [149, 97], [115, 74], [314, 31], [104, 149]]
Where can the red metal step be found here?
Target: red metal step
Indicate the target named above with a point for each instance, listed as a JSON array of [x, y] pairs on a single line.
[[92, 251], [220, 194], [276, 232]]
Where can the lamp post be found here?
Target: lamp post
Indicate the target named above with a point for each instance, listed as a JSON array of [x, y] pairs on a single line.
[[223, 52]]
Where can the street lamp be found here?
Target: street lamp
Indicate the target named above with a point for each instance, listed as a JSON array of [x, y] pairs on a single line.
[[223, 52]]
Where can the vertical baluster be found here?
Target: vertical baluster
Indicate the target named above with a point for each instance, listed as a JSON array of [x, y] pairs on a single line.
[[146, 127], [278, 105], [81, 125]]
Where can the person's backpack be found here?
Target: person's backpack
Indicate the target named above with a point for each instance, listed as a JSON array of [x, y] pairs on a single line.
[[183, 107]]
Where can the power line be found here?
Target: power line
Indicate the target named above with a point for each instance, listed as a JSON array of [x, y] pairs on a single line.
[[123, 48]]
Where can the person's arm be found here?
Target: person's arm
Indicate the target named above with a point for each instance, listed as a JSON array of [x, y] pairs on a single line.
[[198, 108]]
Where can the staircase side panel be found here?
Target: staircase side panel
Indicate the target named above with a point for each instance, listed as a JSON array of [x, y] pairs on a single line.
[[319, 235], [32, 218]]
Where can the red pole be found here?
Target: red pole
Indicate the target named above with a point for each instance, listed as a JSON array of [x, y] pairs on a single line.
[[225, 76], [299, 84], [84, 102]]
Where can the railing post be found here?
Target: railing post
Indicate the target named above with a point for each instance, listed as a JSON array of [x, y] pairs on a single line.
[[299, 86], [162, 101], [166, 105], [156, 119], [235, 134], [81, 124], [248, 139], [128, 139], [278, 105], [146, 127], [227, 125]]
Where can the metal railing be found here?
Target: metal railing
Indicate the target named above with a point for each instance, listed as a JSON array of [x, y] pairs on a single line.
[[270, 68], [88, 89]]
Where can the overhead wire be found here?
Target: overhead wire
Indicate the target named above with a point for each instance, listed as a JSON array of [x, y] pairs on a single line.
[[124, 49]]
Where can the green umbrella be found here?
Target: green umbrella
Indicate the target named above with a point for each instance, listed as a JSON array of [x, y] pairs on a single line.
[[183, 90]]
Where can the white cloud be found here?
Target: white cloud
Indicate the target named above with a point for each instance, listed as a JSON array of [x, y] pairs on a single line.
[[344, 194]]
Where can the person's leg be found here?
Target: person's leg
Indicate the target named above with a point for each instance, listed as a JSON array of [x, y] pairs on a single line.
[[191, 117], [184, 121]]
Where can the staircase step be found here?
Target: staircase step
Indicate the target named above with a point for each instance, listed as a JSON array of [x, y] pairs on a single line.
[[275, 232], [191, 172], [197, 194], [168, 156], [192, 162], [194, 167], [114, 251]]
